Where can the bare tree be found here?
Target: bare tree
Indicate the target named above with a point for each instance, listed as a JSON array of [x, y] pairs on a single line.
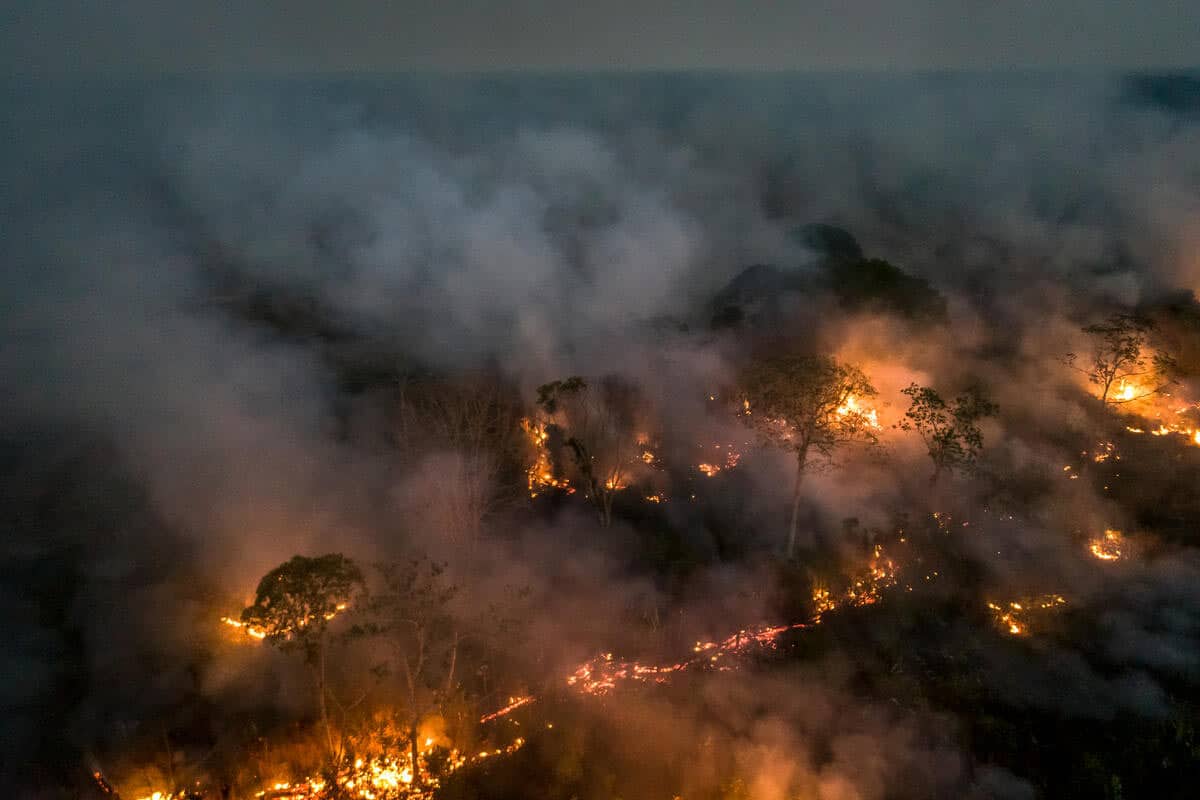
[[1122, 362], [950, 431], [810, 405], [413, 612], [470, 429]]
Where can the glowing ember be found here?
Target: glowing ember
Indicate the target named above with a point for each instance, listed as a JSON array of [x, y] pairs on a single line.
[[732, 457], [1013, 617], [1107, 547], [1105, 451]]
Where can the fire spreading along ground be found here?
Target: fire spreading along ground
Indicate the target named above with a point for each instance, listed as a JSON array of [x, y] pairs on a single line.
[[604, 673], [1015, 615], [391, 775], [1165, 414]]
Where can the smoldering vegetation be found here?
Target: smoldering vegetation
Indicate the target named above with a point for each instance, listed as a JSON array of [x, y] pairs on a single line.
[[247, 320]]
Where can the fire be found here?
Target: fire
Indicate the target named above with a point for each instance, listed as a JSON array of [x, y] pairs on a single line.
[[258, 633], [732, 457], [865, 588], [388, 776], [870, 416], [249, 630], [513, 704], [604, 673], [1013, 617], [540, 475], [1169, 417], [1107, 547]]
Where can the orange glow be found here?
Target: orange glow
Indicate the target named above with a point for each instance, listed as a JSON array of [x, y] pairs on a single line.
[[1106, 547]]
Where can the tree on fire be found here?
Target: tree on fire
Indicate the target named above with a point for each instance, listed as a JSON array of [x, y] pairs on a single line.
[[293, 605], [595, 424], [1123, 363], [809, 405], [950, 431], [413, 613]]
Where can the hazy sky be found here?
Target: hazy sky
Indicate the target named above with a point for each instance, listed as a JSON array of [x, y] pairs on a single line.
[[274, 35]]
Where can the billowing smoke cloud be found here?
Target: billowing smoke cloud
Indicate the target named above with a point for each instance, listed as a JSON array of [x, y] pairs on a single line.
[[196, 274]]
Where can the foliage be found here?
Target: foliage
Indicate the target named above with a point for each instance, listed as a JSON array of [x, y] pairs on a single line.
[[293, 606], [413, 610], [802, 403], [295, 601], [950, 431], [874, 283], [1122, 354], [809, 405]]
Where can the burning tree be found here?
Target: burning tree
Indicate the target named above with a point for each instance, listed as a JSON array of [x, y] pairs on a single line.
[[293, 606], [809, 405], [950, 431], [413, 613], [594, 423], [1123, 363]]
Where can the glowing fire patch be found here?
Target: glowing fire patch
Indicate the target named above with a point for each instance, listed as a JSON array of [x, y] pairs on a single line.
[[1106, 547], [258, 633], [852, 407], [540, 475], [1013, 617]]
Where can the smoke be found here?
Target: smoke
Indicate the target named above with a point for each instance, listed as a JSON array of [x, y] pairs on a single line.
[[200, 274]]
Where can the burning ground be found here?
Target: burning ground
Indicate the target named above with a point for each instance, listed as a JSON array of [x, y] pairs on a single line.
[[638, 437]]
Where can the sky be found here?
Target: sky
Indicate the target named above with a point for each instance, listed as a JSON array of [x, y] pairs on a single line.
[[152, 36]]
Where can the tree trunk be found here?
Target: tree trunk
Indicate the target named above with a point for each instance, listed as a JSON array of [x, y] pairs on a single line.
[[801, 457], [413, 753], [604, 498], [321, 697]]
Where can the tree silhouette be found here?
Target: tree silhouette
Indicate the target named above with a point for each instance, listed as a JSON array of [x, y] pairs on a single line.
[[293, 606], [810, 405], [1123, 363], [950, 431]]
